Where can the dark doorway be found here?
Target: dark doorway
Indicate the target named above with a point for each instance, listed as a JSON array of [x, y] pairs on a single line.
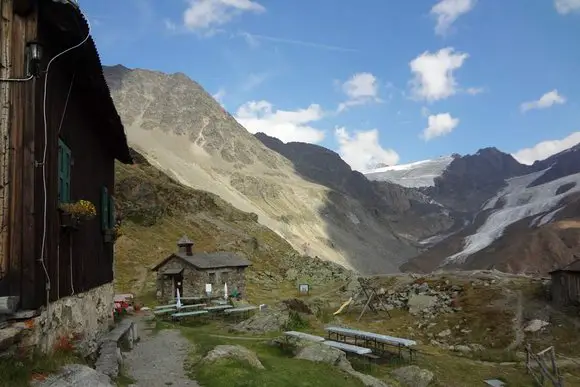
[[178, 284]]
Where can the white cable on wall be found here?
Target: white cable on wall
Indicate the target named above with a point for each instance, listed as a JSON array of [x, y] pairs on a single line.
[[44, 184]]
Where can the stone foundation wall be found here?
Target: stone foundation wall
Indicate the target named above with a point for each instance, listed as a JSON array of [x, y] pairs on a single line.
[[83, 318]]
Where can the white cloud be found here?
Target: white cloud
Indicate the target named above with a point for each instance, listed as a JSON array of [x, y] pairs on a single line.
[[439, 125], [361, 88], [567, 6], [288, 126], [547, 100], [203, 15], [546, 149], [447, 11], [362, 150], [474, 90], [433, 74], [253, 81]]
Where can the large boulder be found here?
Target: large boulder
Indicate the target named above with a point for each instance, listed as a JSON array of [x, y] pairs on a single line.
[[233, 352], [322, 353], [270, 320], [413, 376]]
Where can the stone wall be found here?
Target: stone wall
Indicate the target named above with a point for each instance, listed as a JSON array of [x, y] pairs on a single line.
[[194, 281], [82, 318]]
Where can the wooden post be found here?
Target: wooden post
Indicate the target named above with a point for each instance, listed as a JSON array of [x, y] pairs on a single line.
[[5, 65], [30, 256]]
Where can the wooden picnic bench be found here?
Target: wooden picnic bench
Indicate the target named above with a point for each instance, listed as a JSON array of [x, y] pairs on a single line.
[[240, 312], [192, 306], [161, 312], [304, 336], [217, 308], [374, 340], [169, 306], [179, 315]]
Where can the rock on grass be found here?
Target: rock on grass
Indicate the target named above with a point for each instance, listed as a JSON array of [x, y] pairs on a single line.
[[233, 352], [413, 376]]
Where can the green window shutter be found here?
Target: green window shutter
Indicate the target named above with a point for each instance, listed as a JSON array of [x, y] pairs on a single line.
[[111, 212], [104, 208], [64, 172]]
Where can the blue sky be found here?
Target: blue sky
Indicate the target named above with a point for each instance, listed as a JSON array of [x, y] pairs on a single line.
[[376, 80]]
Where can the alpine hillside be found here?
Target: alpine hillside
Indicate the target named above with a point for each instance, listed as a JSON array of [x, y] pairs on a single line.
[[484, 210], [345, 218], [518, 218]]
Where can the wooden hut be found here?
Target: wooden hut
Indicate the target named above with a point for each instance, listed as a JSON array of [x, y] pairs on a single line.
[[60, 136], [565, 285]]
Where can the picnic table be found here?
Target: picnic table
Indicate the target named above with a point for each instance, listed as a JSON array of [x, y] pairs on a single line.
[[169, 306], [217, 308], [371, 339], [179, 315], [240, 312], [304, 336]]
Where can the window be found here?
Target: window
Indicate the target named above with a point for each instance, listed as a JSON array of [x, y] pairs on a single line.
[[105, 207], [225, 276], [64, 163], [212, 278], [111, 212], [107, 210]]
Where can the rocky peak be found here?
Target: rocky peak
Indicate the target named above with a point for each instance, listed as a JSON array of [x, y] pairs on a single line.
[[470, 180]]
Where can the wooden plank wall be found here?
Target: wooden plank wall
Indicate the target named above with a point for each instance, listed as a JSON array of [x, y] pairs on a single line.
[[5, 43], [80, 260], [22, 261], [566, 288]]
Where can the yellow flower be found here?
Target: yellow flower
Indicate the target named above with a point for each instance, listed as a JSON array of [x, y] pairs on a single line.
[[81, 209]]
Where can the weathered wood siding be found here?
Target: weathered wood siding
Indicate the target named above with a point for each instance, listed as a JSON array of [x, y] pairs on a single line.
[[19, 259], [34, 250], [80, 260], [565, 288]]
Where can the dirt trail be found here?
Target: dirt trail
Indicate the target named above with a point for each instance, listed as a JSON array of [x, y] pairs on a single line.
[[519, 334], [157, 359]]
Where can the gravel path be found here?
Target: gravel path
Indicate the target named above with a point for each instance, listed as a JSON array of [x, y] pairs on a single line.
[[157, 359]]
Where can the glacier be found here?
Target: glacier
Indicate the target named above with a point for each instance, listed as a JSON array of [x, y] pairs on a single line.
[[413, 175], [519, 202]]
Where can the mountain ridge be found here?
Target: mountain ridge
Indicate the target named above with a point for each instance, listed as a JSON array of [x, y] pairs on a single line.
[[309, 195], [182, 130]]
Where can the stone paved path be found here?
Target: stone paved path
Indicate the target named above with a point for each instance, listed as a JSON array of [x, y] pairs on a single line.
[[157, 359]]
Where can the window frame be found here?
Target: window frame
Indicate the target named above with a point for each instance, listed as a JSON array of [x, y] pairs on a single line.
[[64, 166]]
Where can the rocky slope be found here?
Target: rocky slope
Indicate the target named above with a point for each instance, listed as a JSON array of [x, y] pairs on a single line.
[[182, 130], [156, 211], [529, 225], [454, 212]]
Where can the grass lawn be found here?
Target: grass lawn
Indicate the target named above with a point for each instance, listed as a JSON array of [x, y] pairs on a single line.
[[281, 370]]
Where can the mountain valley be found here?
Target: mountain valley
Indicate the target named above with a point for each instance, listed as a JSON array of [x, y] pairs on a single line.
[[480, 211]]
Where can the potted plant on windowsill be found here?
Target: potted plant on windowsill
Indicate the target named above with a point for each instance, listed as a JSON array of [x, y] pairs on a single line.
[[73, 214]]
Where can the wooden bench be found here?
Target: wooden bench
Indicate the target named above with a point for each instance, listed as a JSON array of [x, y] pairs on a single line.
[[165, 306], [240, 309], [163, 311], [177, 316], [374, 340], [192, 306], [217, 308], [348, 347], [304, 336]]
